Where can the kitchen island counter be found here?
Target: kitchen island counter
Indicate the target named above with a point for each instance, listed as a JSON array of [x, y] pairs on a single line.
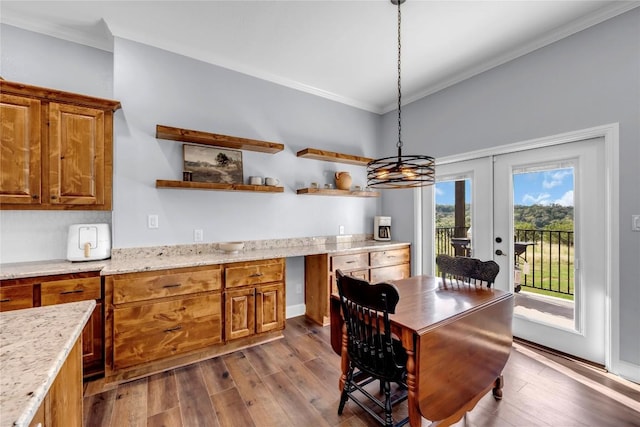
[[34, 345]]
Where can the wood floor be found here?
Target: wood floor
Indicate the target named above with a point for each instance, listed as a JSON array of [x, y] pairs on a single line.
[[293, 382]]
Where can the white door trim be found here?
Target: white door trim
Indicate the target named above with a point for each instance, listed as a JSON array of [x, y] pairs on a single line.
[[610, 133]]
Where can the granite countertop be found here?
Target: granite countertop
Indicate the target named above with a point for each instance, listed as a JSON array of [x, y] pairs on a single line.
[[133, 260], [34, 344]]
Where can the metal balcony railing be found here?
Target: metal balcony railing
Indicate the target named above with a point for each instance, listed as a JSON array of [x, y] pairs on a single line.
[[543, 259]]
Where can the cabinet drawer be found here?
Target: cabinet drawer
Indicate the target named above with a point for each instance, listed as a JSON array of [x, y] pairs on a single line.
[[158, 284], [349, 262], [390, 257], [358, 274], [70, 290], [394, 272], [16, 297], [255, 272], [154, 331]]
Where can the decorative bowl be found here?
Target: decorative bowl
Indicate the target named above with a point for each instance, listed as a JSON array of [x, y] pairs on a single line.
[[231, 247]]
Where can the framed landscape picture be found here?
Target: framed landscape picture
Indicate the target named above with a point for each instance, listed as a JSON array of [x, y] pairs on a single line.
[[212, 164]]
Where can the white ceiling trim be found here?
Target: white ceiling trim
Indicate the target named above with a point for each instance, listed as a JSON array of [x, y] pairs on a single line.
[[560, 33]]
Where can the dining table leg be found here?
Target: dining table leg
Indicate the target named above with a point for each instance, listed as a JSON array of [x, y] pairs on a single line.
[[344, 358], [410, 345]]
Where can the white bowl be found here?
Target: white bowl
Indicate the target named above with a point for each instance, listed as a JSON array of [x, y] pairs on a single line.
[[231, 247]]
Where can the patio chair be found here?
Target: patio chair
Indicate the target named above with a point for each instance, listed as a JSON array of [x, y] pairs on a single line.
[[467, 270]]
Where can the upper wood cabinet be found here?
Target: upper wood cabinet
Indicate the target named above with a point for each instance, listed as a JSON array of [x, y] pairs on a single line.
[[56, 149], [20, 158]]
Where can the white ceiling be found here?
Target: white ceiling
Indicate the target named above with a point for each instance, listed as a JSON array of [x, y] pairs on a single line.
[[342, 50]]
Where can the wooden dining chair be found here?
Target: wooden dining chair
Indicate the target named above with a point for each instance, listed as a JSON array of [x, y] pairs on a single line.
[[471, 271], [374, 353]]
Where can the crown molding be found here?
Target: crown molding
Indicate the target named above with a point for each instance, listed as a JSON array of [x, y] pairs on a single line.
[[103, 41]]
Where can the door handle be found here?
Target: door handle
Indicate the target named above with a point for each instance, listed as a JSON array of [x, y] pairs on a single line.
[[500, 253]]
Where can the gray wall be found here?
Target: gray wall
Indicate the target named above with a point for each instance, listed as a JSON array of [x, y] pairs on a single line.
[[589, 79], [159, 87], [39, 60]]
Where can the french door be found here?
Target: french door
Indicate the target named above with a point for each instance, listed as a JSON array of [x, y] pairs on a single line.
[[497, 188], [576, 324]]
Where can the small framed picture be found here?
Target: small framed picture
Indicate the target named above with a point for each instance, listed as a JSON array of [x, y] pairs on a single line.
[[212, 164]]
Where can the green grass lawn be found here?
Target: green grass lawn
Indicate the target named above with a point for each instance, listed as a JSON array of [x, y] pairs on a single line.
[[551, 270]]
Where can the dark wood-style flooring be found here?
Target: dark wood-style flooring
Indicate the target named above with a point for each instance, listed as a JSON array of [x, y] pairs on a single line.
[[293, 382]]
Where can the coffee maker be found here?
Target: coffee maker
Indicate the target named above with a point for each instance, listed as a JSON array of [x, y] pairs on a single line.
[[382, 228]]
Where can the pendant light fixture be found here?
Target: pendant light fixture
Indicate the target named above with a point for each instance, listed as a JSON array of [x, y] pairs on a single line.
[[400, 171]]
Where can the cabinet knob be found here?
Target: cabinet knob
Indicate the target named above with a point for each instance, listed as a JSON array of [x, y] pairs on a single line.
[[35, 196], [54, 197]]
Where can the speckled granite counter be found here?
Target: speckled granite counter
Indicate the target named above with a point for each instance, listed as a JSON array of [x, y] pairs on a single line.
[[48, 268], [163, 257], [34, 344]]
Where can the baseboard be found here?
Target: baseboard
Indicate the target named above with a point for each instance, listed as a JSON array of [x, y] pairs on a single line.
[[626, 370], [296, 310]]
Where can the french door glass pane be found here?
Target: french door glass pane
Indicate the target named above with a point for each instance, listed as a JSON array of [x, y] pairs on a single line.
[[453, 217], [543, 218]]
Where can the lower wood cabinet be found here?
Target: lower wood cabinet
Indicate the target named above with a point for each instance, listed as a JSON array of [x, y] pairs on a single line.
[[158, 320], [254, 298], [62, 406], [50, 290], [372, 265], [253, 310], [152, 331]]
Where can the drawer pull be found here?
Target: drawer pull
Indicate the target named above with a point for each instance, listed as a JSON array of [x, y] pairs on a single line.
[[175, 285], [257, 275], [350, 262], [5, 300], [175, 328], [74, 291]]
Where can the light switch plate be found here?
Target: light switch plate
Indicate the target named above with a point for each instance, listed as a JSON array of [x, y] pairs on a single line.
[[198, 235], [635, 222]]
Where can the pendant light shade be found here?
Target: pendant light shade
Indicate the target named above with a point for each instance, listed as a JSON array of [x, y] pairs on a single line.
[[400, 171]]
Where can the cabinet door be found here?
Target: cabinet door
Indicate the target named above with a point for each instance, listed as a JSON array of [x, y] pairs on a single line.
[[76, 155], [239, 319], [92, 343], [270, 307], [20, 145]]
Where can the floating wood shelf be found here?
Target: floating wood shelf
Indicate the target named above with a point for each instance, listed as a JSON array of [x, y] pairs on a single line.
[[192, 185], [216, 140], [330, 156], [333, 192]]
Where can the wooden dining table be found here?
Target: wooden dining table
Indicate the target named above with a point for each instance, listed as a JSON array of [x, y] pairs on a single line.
[[458, 339]]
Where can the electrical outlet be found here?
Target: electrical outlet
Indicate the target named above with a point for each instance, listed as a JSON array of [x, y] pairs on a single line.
[[341, 229], [152, 221], [635, 222], [299, 288], [198, 235]]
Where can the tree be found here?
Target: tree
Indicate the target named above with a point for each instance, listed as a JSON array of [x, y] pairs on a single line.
[[223, 159]]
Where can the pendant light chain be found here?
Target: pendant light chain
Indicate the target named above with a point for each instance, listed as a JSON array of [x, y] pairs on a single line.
[[399, 144], [400, 171]]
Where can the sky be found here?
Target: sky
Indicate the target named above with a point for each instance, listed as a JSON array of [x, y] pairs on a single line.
[[542, 188]]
